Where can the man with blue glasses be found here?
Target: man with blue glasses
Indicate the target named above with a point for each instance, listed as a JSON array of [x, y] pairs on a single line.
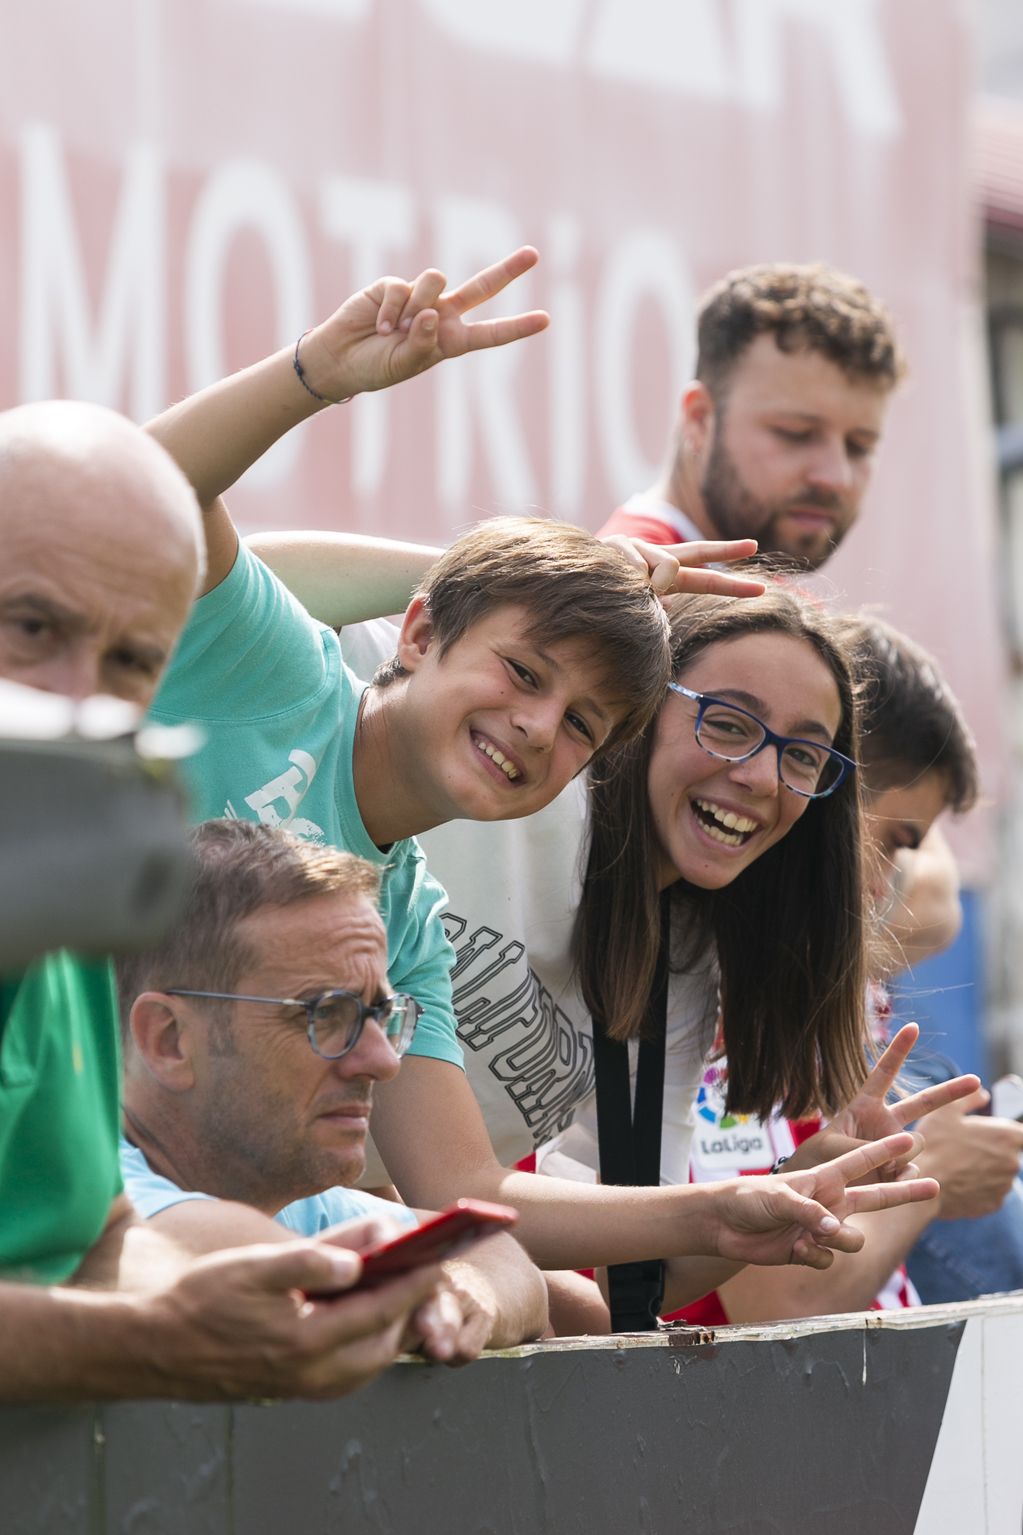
[[249, 1085]]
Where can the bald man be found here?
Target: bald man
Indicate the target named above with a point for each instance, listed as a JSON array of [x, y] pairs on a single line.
[[103, 544], [102, 552]]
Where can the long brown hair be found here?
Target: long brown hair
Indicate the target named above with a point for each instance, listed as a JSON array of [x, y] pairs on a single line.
[[787, 932]]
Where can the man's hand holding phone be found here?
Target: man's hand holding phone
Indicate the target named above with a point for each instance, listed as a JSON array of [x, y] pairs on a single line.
[[453, 1325]]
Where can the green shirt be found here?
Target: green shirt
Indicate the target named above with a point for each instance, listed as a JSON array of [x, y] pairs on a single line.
[[59, 1115], [279, 708]]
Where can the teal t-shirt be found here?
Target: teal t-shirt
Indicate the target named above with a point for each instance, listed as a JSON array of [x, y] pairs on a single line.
[[279, 708], [151, 1193], [59, 1115]]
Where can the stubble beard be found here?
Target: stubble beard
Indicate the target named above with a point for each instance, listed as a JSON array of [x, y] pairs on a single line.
[[734, 512], [271, 1164]]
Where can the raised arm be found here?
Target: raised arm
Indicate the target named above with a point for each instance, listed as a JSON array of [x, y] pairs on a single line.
[[344, 578], [385, 334]]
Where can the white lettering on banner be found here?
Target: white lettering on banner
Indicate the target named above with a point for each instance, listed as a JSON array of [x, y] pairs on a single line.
[[468, 232], [852, 33], [56, 322], [342, 10], [690, 49], [245, 194], [376, 220], [689, 53], [529, 29], [646, 263], [567, 343], [479, 407]]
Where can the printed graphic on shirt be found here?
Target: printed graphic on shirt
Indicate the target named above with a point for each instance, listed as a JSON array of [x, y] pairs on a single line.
[[542, 1061], [724, 1144], [276, 802]]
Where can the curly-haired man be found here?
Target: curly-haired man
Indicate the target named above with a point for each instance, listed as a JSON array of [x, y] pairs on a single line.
[[775, 436]]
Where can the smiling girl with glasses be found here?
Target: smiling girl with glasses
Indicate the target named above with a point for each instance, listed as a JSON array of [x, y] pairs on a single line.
[[762, 879]]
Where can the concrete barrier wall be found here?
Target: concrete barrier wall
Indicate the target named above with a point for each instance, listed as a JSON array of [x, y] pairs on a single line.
[[905, 1424]]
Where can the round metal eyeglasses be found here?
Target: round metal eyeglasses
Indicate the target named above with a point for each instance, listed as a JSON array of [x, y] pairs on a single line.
[[335, 1019], [724, 730]]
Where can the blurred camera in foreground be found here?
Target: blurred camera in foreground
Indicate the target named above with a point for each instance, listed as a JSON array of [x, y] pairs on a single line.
[[93, 840]]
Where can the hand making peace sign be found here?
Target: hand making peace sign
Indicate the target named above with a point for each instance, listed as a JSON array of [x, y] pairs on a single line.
[[394, 329]]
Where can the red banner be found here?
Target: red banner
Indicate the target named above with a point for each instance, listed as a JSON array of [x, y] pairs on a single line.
[[187, 184]]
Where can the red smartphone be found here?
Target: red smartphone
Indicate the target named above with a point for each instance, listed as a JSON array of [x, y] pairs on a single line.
[[452, 1231]]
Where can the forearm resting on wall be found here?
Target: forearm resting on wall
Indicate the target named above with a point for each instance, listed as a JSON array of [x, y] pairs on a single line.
[[511, 1284]]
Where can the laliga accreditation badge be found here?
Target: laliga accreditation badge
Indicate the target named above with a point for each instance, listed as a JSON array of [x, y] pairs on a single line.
[[725, 1145]]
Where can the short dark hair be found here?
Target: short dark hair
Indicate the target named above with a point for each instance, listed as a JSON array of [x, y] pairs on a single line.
[[572, 586], [239, 868], [910, 720], [807, 309], [787, 933]]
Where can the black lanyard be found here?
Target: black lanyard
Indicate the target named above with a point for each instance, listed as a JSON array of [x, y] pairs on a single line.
[[630, 1137]]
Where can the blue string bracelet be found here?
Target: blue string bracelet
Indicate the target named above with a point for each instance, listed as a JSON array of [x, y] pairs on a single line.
[[306, 385]]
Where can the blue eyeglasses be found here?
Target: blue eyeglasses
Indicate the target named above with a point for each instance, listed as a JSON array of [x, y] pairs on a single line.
[[335, 1019], [724, 730]]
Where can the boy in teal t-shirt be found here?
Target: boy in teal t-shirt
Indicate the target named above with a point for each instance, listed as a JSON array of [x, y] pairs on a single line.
[[279, 708], [486, 712]]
